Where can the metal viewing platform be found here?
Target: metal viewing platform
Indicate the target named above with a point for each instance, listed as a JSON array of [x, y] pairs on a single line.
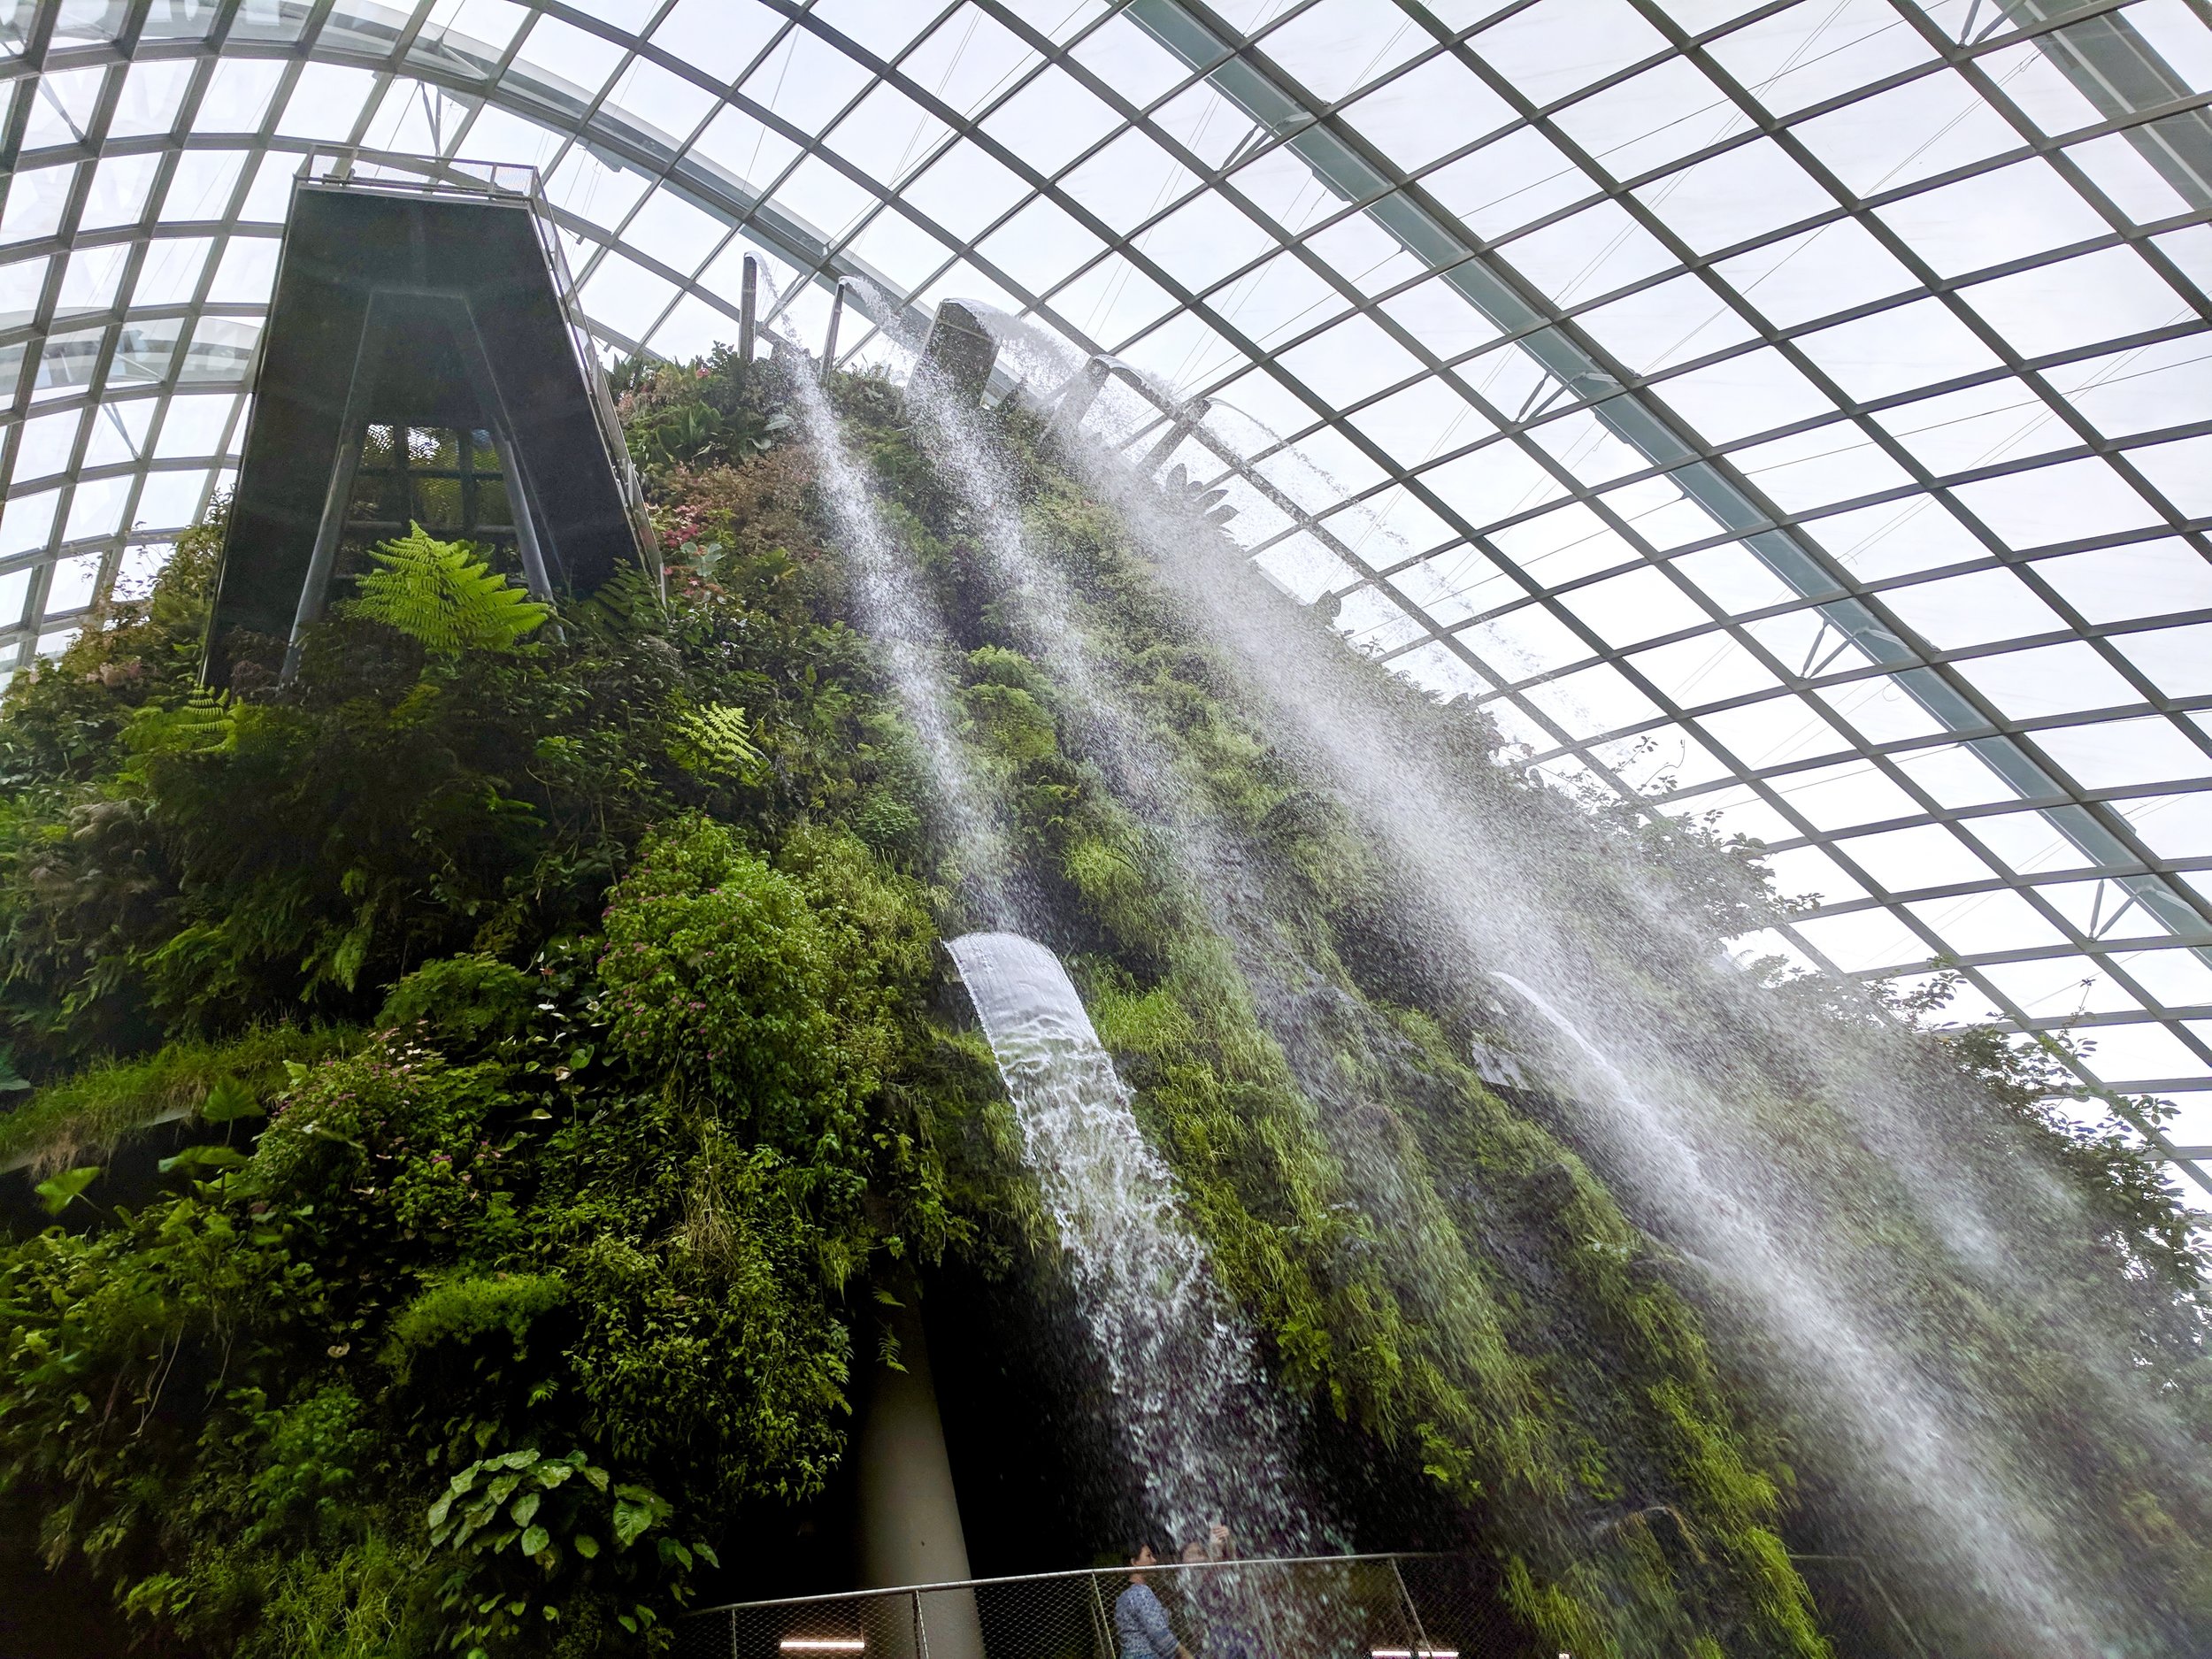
[[420, 307]]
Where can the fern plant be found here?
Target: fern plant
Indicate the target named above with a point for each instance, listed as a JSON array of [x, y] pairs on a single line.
[[440, 594], [713, 741]]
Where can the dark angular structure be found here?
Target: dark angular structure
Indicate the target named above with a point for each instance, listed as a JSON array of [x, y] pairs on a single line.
[[402, 305], [959, 351]]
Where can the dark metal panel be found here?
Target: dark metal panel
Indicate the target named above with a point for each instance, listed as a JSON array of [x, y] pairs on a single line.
[[413, 309]]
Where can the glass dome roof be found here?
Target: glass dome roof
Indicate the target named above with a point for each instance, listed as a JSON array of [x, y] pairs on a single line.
[[1796, 414]]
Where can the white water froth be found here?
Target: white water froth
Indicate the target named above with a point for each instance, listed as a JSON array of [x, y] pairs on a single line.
[[1193, 1408], [908, 634]]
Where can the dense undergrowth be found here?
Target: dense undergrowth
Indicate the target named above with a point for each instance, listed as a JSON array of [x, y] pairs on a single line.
[[553, 1008], [556, 1045]]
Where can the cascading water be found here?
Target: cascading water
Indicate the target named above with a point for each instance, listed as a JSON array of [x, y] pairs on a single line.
[[1204, 1433], [1889, 1414], [910, 636], [1676, 1073], [1193, 1408], [1214, 870]]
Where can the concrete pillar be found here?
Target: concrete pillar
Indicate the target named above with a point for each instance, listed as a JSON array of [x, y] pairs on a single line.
[[909, 1514]]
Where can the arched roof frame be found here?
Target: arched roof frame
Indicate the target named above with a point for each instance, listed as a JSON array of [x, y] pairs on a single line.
[[1879, 740]]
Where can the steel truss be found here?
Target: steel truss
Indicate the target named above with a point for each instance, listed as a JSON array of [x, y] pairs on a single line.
[[1846, 723]]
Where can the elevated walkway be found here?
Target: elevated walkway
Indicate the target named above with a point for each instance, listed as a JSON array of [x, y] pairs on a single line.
[[1319, 1607], [405, 300]]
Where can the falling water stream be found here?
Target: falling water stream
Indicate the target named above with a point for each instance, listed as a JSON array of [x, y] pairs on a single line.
[[1886, 1412], [1192, 1407], [910, 639], [1676, 1107], [1195, 1412], [1214, 870], [1930, 1458]]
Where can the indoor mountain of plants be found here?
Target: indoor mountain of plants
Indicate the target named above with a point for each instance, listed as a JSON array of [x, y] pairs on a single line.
[[478, 1101]]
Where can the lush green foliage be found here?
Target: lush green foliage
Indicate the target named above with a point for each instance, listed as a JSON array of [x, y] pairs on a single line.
[[552, 1016], [442, 595], [565, 1080]]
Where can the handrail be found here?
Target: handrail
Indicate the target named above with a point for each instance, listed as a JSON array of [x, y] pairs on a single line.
[[1074, 1572]]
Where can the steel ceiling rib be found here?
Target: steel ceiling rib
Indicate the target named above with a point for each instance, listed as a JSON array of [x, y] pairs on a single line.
[[1200, 40], [2115, 63], [1295, 129], [2121, 73]]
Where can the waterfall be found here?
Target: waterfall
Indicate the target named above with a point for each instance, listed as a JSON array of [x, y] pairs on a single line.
[[909, 638], [1672, 1078], [1213, 867], [1195, 1411], [1882, 1409], [1193, 1408]]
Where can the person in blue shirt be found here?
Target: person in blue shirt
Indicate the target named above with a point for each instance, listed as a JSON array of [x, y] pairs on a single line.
[[1140, 1621]]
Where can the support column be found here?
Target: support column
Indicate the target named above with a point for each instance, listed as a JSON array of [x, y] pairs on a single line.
[[908, 1513]]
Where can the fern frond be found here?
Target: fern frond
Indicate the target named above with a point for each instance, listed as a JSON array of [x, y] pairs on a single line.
[[443, 594], [204, 723], [713, 742]]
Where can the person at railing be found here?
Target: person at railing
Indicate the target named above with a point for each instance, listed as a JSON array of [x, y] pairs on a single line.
[[1140, 1621], [1216, 1597]]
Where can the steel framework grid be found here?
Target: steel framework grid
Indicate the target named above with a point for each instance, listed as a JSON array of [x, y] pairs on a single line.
[[415, 56]]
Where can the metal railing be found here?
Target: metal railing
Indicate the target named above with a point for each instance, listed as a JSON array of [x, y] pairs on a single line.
[[340, 166], [1337, 1607]]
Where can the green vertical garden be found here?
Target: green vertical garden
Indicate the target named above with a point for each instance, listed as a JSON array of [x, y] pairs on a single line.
[[543, 1024]]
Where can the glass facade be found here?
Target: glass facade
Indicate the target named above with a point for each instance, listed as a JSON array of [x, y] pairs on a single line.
[[1798, 415], [448, 482]]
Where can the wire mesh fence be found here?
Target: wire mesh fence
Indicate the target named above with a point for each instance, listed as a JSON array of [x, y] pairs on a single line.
[[1358, 1607]]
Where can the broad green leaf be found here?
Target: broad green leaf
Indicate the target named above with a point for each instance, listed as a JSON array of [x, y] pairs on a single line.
[[631, 1522], [58, 1193], [525, 1509], [587, 1546], [228, 1101], [534, 1540], [207, 1157]]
